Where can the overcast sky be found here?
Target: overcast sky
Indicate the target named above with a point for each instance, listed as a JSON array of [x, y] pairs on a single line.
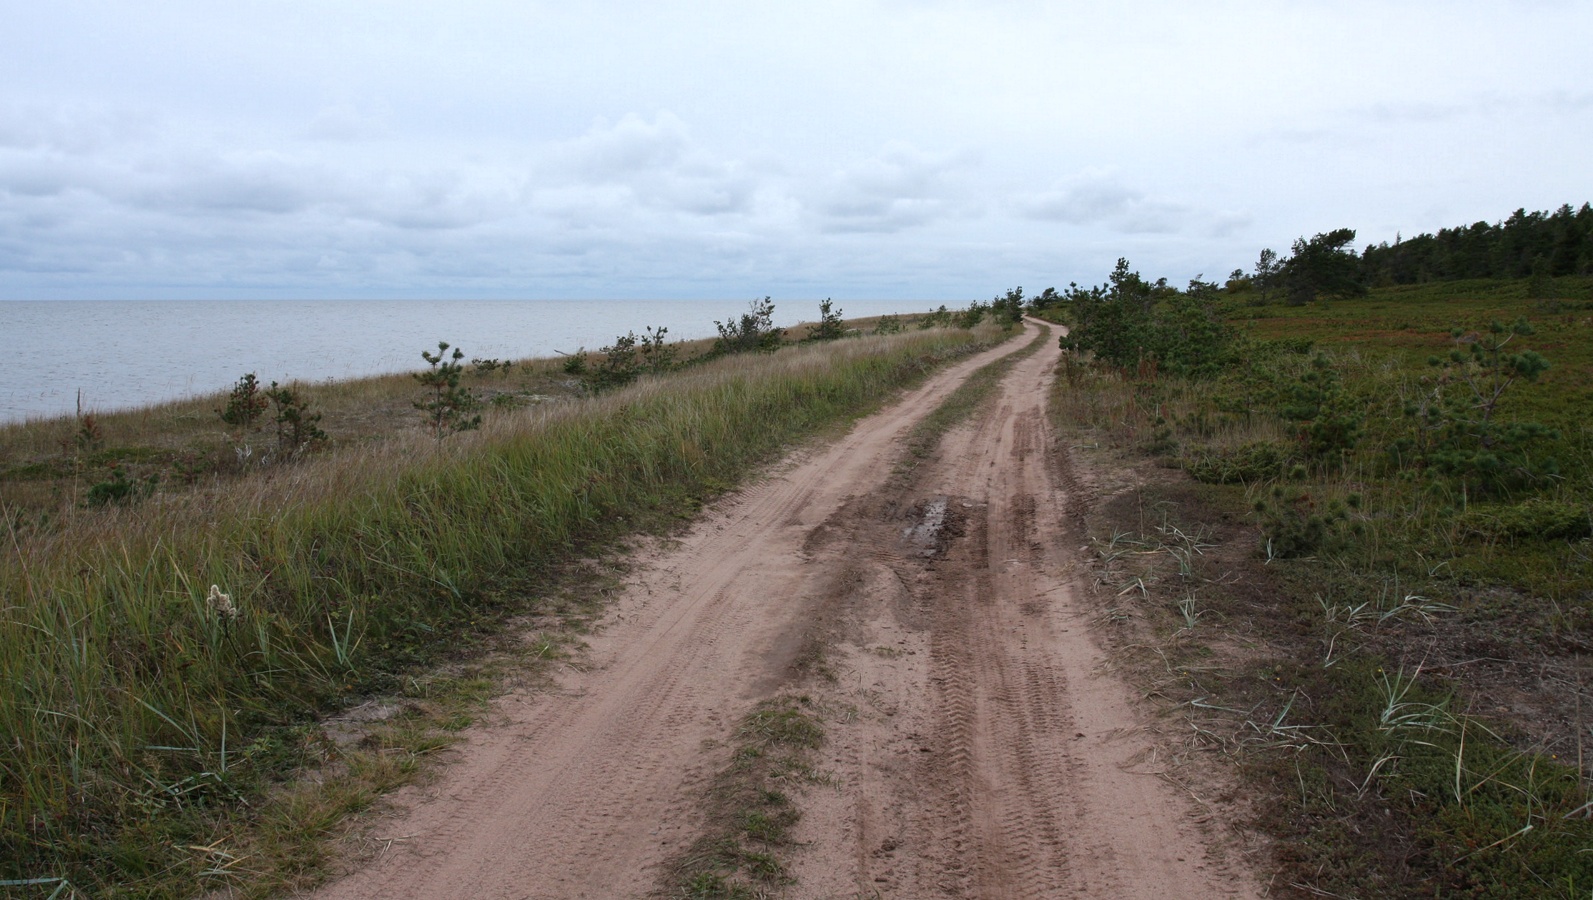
[[931, 149]]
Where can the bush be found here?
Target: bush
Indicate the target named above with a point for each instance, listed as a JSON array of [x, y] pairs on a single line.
[[753, 332], [245, 405], [624, 361], [1538, 517], [1330, 421], [888, 325], [829, 327], [119, 490], [1459, 429], [298, 429], [1294, 523]]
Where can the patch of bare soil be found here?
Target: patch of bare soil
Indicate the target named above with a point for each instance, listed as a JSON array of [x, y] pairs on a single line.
[[991, 754]]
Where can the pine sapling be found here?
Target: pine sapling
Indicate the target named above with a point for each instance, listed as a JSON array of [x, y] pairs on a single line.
[[245, 405], [297, 428], [446, 407]]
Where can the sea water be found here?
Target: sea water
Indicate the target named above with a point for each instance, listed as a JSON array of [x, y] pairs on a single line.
[[120, 354]]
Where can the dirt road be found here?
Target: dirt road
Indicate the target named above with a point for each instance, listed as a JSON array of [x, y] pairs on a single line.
[[987, 757]]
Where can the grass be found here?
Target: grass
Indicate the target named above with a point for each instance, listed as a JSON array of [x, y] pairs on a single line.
[[146, 717], [751, 810], [1397, 653]]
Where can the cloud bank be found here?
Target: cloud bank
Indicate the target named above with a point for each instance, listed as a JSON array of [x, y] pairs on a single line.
[[931, 150]]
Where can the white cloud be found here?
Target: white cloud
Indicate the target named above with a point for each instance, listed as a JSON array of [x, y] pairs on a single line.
[[1102, 199], [707, 148], [899, 188], [345, 122]]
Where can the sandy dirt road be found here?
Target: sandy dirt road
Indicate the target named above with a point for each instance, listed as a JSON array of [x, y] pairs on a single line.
[[986, 757]]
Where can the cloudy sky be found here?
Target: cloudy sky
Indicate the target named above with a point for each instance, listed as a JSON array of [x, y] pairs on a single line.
[[874, 148]]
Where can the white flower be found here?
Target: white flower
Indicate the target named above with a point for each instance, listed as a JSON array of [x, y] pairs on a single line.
[[221, 604]]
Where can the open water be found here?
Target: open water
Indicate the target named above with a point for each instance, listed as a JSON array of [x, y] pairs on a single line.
[[122, 354]]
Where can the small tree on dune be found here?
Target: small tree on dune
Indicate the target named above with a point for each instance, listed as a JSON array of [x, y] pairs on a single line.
[[447, 408]]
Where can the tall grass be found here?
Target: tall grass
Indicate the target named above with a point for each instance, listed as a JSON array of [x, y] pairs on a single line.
[[132, 695]]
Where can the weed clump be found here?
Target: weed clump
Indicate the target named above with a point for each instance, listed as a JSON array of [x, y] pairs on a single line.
[[119, 490], [1248, 463], [753, 814]]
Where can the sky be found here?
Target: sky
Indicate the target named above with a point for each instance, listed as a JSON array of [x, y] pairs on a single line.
[[914, 149]]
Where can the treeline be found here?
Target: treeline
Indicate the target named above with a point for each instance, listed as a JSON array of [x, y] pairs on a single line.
[[1538, 246], [1526, 244]]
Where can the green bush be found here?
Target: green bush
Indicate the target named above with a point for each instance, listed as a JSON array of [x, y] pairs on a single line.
[[1538, 517], [753, 332], [1295, 523]]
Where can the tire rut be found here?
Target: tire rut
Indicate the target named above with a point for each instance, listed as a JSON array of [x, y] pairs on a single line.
[[997, 764]]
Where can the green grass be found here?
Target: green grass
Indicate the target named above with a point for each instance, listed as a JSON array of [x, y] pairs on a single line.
[[142, 717], [1367, 711], [751, 814]]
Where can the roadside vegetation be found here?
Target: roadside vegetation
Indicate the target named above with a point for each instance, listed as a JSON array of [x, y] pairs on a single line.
[[1365, 552], [168, 657]]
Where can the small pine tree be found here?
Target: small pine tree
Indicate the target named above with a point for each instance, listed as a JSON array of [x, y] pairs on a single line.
[[245, 405], [753, 331], [829, 327], [446, 406], [298, 429]]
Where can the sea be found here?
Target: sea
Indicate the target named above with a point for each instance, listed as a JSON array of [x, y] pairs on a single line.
[[60, 356]]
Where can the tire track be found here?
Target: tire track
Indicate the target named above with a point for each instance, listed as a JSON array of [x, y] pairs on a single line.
[[1025, 789]]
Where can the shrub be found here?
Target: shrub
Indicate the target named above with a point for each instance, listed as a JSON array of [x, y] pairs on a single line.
[[973, 315], [1538, 517], [628, 358], [1133, 324], [940, 318], [297, 428], [485, 367], [119, 490], [1008, 308], [754, 331], [1458, 431], [1330, 422], [245, 405], [1294, 523], [829, 327]]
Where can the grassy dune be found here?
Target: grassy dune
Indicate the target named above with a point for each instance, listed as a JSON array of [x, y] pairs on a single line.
[[145, 709], [1394, 641]]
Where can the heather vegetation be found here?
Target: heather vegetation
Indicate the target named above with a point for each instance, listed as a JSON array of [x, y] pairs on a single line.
[[173, 639], [1388, 501]]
